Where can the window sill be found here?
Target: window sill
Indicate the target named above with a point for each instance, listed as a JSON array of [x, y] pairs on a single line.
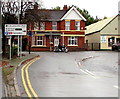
[[72, 45], [38, 46]]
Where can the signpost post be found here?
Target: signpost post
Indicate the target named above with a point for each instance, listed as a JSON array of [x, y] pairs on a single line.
[[16, 30], [10, 47], [18, 46], [30, 35]]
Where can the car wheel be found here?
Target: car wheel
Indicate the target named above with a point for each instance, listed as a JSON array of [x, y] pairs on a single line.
[[113, 49]]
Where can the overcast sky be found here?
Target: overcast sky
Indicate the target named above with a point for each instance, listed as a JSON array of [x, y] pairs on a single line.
[[98, 8]]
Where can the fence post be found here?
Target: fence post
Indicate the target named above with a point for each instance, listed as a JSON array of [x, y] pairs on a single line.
[[92, 46], [99, 46]]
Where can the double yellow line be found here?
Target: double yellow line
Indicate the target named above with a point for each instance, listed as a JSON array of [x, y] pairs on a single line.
[[26, 83]]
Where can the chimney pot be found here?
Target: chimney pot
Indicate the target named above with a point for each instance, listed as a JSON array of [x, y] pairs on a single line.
[[65, 7], [35, 6]]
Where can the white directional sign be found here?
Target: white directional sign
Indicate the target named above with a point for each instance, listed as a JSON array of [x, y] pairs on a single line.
[[15, 29]]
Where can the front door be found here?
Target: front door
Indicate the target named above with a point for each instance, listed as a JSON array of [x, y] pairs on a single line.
[[56, 40]]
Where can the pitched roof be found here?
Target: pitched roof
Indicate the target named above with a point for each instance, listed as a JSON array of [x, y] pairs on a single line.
[[56, 14], [73, 8], [98, 26], [46, 14]]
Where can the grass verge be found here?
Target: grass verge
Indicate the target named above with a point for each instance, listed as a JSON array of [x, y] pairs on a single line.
[[7, 71]]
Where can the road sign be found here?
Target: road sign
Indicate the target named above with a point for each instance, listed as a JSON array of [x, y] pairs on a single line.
[[15, 29], [30, 33]]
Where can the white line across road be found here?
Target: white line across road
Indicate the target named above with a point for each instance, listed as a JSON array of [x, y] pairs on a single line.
[[89, 73]]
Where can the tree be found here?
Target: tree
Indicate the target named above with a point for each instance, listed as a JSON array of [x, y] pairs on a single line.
[[10, 11], [105, 17], [56, 8]]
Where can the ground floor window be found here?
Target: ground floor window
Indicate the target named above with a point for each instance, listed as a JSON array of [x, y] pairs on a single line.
[[117, 40], [72, 40], [37, 40], [111, 41]]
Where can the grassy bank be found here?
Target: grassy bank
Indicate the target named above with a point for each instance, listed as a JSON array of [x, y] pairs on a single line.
[[7, 71]]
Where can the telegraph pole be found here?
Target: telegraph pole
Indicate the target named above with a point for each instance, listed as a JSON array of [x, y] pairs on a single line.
[[0, 33], [18, 35]]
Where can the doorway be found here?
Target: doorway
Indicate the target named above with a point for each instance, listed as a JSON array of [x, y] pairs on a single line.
[[56, 40]]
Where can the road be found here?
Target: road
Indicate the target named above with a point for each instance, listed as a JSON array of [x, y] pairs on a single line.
[[73, 74], [1, 83], [1, 93]]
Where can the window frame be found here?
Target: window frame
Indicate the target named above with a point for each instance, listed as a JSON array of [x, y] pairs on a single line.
[[39, 40], [111, 41], [36, 26], [54, 26], [77, 27], [67, 26], [72, 40], [42, 26]]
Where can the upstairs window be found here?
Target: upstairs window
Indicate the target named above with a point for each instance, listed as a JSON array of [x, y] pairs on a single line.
[[77, 25], [54, 25], [36, 25], [42, 25], [30, 26], [67, 25]]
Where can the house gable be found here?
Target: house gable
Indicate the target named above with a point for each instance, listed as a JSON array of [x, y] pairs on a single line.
[[111, 28], [73, 14], [99, 26]]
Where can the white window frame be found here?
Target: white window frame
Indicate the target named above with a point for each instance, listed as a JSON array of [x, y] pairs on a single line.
[[36, 25], [67, 26], [77, 26], [72, 40], [39, 40], [33, 40], [42, 25], [54, 25]]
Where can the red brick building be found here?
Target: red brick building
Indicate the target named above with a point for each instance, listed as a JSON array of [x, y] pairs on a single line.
[[65, 26]]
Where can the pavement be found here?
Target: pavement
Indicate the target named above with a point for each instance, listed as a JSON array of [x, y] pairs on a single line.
[[73, 74], [0, 83], [1, 80]]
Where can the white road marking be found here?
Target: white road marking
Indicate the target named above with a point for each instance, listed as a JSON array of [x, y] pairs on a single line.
[[116, 86], [80, 63], [85, 71], [89, 72]]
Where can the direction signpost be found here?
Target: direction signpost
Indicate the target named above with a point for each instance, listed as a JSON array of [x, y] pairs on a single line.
[[16, 30]]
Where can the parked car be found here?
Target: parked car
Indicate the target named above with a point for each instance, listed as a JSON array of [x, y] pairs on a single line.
[[116, 47]]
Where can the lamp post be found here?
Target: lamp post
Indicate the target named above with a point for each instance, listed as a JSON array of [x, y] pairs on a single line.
[[30, 35], [50, 41], [63, 38]]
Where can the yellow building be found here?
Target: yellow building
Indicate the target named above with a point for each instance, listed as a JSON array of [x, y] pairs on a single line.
[[104, 33]]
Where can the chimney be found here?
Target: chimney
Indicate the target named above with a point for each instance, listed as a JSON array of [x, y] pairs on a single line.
[[36, 6], [65, 7]]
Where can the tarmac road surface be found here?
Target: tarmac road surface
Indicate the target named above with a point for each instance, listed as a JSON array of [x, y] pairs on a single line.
[[73, 74]]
